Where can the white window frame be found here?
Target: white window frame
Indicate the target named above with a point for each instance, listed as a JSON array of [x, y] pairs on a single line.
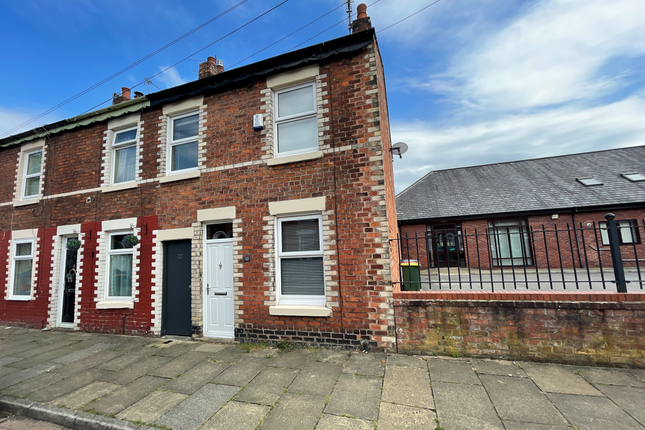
[[15, 258], [172, 143], [316, 300], [118, 146], [293, 118], [627, 232], [26, 176], [110, 252]]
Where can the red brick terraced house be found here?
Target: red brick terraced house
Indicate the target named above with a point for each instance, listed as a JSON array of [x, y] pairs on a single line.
[[251, 204], [541, 213]]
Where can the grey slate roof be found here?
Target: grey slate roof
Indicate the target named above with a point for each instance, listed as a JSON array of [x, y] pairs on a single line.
[[523, 186]]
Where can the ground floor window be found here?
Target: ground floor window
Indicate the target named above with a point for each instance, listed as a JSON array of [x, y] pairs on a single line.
[[300, 271], [23, 259], [510, 243], [627, 232], [119, 267]]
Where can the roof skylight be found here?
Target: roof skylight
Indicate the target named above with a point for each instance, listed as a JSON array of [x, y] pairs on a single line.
[[588, 182], [634, 176]]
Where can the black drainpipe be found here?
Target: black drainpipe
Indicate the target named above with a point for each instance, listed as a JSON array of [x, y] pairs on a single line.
[[575, 232]]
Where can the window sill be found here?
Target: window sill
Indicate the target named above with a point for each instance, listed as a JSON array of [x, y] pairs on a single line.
[[115, 304], [20, 298], [180, 176], [119, 187], [300, 310], [294, 158], [17, 203]]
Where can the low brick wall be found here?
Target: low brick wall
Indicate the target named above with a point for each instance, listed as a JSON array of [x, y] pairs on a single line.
[[574, 328]]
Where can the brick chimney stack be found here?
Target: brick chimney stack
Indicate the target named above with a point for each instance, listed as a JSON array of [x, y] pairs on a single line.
[[362, 21], [124, 97], [208, 68]]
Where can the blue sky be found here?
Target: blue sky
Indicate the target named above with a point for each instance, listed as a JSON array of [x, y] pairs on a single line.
[[469, 81]]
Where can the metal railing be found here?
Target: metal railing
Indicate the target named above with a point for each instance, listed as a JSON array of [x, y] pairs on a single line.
[[594, 257]]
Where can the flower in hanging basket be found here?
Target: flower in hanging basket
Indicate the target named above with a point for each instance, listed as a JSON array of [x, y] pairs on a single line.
[[129, 240], [73, 244]]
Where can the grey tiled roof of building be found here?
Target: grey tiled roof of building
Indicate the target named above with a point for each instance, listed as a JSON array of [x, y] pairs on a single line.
[[527, 185]]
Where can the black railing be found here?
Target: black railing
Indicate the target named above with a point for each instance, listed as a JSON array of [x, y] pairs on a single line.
[[592, 257]]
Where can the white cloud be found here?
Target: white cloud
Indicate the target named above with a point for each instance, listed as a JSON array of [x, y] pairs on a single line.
[[170, 78], [515, 137], [554, 53], [11, 118]]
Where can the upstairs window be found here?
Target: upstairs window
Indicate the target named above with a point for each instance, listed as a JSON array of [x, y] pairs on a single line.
[[301, 273], [184, 131], [23, 259], [124, 163], [31, 176], [296, 122], [119, 267]]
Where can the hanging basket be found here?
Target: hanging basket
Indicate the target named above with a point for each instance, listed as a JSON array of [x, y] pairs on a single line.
[[129, 241], [73, 244]]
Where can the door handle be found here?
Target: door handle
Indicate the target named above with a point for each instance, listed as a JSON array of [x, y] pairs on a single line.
[[208, 289]]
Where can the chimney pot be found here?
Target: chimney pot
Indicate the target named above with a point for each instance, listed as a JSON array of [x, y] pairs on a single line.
[[220, 66], [124, 97], [362, 21], [362, 11], [208, 68]]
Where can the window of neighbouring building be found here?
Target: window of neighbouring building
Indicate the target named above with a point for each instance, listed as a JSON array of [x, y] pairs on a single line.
[[300, 268], [510, 243], [119, 267], [627, 232], [183, 142], [22, 268]]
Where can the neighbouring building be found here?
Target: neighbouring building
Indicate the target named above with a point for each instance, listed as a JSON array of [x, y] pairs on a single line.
[[255, 203], [544, 212]]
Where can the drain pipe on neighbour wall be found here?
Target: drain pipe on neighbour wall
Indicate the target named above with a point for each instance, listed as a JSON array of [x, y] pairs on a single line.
[[575, 232]]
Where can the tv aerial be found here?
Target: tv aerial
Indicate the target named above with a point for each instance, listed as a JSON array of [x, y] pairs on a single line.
[[399, 149]]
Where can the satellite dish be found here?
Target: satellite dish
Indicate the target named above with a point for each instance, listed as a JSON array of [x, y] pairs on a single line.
[[399, 149]]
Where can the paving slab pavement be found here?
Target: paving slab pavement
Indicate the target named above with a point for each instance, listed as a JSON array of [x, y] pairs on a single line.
[[535, 407], [152, 407], [593, 412], [135, 383]]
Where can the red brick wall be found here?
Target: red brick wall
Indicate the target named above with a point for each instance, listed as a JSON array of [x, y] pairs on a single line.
[[357, 182], [592, 329], [32, 313], [414, 244]]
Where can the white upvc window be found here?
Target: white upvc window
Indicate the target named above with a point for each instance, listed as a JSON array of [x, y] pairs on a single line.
[[119, 267], [124, 155], [296, 121], [300, 265], [182, 143], [22, 269], [627, 232], [31, 174]]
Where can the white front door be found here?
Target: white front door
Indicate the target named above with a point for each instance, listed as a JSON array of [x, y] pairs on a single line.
[[218, 291]]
